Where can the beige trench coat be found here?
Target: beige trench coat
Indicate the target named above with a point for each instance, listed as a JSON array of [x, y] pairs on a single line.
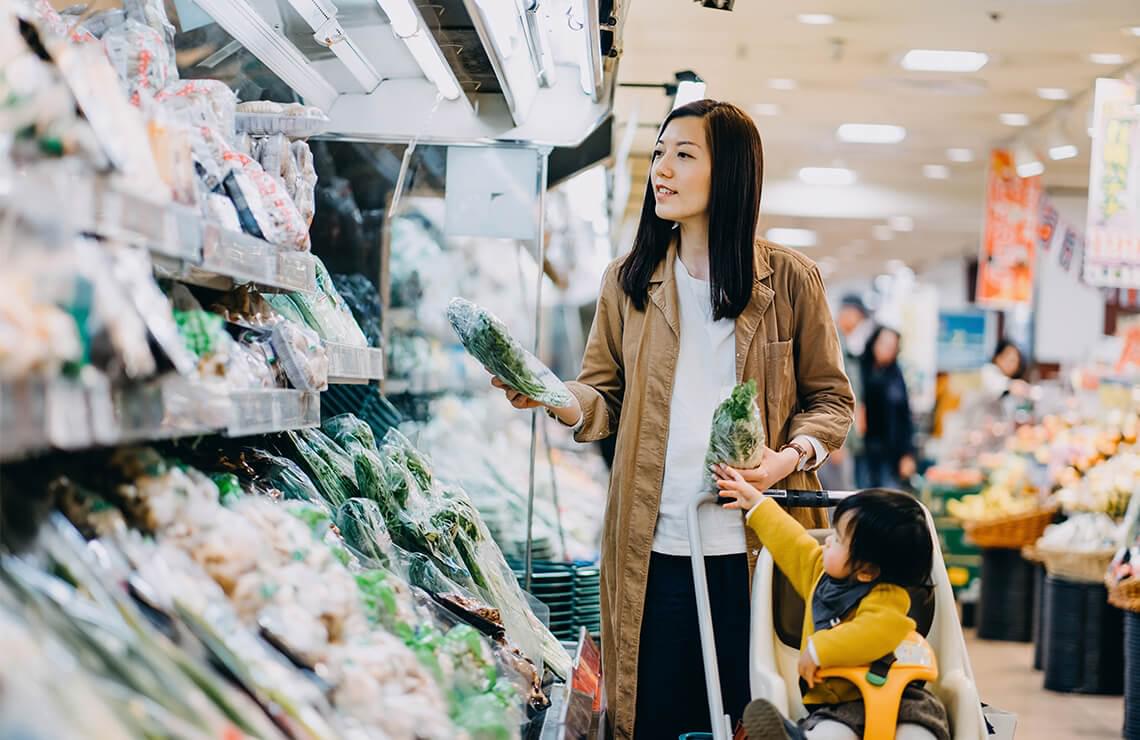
[[785, 340]]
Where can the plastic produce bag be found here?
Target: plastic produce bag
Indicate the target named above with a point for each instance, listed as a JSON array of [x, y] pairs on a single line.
[[362, 298], [330, 467], [327, 312], [303, 357], [487, 339], [737, 437]]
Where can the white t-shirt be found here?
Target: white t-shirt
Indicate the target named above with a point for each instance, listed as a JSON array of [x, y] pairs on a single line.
[[706, 375]]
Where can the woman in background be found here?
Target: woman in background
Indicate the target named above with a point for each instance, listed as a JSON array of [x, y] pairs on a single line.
[[889, 440]]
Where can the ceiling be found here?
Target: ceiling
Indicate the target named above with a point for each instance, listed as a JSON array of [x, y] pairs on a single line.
[[849, 72]]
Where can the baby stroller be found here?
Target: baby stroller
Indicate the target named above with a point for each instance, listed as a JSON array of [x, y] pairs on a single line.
[[936, 654]]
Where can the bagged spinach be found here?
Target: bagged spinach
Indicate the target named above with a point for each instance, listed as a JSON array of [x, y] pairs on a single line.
[[737, 435]]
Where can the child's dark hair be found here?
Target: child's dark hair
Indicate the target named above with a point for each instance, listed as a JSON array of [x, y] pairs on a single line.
[[887, 529]]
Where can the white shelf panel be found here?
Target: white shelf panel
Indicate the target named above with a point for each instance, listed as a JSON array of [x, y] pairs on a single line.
[[348, 364]]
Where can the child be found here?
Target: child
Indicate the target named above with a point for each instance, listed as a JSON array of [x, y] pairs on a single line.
[[855, 594]]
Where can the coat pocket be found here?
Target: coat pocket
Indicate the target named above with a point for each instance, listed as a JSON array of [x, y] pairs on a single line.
[[780, 387]]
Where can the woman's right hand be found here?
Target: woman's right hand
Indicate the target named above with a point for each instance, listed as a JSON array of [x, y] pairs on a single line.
[[568, 415]]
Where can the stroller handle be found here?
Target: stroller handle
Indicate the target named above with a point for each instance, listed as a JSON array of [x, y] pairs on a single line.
[[721, 724]]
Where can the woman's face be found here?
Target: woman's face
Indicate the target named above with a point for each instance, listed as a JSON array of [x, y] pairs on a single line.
[[681, 173], [886, 348], [1008, 361]]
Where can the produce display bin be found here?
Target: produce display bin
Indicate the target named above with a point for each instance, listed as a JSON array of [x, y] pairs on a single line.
[[1084, 651], [1005, 609]]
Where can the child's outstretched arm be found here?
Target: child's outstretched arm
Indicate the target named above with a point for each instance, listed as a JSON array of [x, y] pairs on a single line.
[[879, 625], [796, 552]]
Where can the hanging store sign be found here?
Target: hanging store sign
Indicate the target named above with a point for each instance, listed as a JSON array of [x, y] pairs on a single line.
[[1112, 236], [1009, 239]]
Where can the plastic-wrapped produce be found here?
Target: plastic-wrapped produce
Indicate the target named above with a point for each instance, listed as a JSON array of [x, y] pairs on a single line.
[[303, 357], [327, 312], [141, 57], [489, 341], [306, 174], [362, 298], [737, 435]]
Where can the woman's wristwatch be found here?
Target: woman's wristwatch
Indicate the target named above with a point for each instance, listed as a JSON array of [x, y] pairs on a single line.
[[804, 454]]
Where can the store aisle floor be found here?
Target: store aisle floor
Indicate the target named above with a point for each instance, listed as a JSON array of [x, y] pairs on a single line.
[[1006, 679]]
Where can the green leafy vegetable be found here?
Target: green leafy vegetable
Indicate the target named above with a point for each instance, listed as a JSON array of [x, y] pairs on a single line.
[[737, 435]]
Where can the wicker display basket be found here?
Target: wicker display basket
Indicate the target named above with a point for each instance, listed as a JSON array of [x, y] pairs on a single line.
[[1011, 532], [1081, 567], [1124, 595]]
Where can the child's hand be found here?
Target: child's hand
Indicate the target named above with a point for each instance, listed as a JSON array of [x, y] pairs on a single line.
[[732, 485], [808, 669]]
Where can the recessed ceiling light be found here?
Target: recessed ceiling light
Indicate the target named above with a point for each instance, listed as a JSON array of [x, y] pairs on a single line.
[[815, 19], [782, 83], [1030, 169], [793, 237], [827, 176], [882, 233], [1107, 59], [936, 171], [1063, 151], [901, 223], [960, 154], [1052, 93], [870, 133], [1014, 119], [766, 109], [936, 60]]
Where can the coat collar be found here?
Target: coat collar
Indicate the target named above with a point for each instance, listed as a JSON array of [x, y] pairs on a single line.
[[663, 293]]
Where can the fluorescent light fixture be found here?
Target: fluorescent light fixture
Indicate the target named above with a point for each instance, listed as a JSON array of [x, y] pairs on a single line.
[[799, 238], [242, 21], [1052, 93], [882, 233], [1026, 161], [936, 172], [766, 109], [817, 19], [328, 32], [901, 223], [827, 176], [406, 24], [1132, 30], [938, 60], [1063, 151], [870, 133], [1014, 119], [782, 83], [960, 154], [431, 62], [1106, 58], [403, 16], [688, 92]]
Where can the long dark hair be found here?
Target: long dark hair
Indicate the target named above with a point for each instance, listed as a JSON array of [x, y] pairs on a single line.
[[1004, 344], [868, 359], [888, 530], [734, 208]]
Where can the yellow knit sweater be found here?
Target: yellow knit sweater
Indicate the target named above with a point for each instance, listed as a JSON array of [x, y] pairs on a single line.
[[873, 629]]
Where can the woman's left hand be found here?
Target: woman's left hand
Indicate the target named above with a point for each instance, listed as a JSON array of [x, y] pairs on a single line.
[[773, 468]]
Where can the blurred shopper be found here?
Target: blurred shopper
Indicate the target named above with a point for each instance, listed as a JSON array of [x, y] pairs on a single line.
[[845, 469], [889, 437], [1004, 375]]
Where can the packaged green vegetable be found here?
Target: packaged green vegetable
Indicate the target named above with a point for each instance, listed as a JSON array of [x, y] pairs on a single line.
[[737, 436], [489, 342]]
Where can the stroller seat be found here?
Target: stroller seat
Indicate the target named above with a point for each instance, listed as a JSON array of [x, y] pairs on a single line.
[[777, 628]]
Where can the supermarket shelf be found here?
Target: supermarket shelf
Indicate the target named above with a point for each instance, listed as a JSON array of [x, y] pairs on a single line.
[[348, 364], [230, 258], [185, 246], [70, 414], [273, 410]]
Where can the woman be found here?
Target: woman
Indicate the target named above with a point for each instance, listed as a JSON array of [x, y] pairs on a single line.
[[1005, 373], [889, 440], [697, 306]]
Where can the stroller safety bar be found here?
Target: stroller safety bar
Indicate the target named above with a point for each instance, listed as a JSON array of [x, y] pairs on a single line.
[[721, 724]]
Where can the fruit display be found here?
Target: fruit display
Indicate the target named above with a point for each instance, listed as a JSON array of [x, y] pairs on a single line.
[[1106, 488], [1008, 493]]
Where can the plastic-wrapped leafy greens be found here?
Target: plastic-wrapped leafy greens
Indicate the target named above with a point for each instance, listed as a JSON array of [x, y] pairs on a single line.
[[737, 435], [331, 467], [489, 342]]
